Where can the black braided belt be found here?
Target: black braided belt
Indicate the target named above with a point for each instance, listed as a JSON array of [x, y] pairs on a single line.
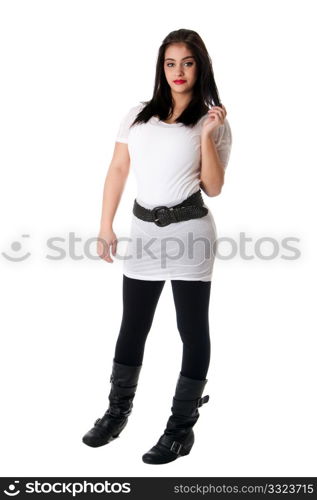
[[191, 208]]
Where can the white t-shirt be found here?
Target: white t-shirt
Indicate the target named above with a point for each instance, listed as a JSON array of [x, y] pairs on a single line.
[[165, 158]]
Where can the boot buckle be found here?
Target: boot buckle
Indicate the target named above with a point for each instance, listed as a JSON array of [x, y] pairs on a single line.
[[176, 447], [203, 400], [98, 420]]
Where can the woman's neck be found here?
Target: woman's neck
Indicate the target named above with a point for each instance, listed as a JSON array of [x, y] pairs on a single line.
[[180, 102]]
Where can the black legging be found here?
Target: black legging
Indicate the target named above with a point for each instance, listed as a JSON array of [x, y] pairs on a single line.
[[191, 298]]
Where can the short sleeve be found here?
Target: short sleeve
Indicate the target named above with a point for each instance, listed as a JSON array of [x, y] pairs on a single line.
[[126, 121], [223, 140]]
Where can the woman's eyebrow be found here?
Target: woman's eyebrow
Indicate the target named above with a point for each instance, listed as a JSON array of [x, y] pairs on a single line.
[[170, 59]]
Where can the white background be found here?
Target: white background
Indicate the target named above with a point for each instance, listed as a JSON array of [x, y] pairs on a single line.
[[69, 71]]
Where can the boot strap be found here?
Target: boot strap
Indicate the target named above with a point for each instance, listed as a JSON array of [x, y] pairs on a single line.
[[203, 400], [171, 444], [115, 382], [113, 412], [179, 404]]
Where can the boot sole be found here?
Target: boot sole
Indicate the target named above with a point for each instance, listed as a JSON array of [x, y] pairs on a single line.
[[168, 461]]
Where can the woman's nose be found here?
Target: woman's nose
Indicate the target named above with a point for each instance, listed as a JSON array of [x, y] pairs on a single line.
[[180, 71]]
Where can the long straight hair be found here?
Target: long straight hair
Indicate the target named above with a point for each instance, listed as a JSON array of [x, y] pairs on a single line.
[[205, 92]]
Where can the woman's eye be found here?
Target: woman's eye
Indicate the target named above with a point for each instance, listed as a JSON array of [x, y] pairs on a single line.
[[190, 63]]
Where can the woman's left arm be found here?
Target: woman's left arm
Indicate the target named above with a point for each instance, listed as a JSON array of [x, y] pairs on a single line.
[[212, 171]]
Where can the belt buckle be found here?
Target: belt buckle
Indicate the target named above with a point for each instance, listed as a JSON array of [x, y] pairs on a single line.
[[156, 217]]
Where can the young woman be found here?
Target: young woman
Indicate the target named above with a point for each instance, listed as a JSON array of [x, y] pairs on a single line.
[[178, 143]]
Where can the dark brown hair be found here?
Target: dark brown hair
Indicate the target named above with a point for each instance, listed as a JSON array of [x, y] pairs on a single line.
[[205, 92]]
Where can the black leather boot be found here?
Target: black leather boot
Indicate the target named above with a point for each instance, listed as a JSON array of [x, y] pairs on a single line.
[[178, 437], [124, 380]]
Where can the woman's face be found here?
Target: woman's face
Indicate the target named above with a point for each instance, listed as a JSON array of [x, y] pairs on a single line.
[[179, 64]]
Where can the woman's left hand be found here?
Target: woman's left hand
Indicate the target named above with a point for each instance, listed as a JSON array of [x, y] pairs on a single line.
[[215, 118]]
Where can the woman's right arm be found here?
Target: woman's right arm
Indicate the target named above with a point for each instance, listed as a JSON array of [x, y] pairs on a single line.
[[116, 177]]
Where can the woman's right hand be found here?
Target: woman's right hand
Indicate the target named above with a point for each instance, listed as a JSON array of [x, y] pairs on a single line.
[[106, 239]]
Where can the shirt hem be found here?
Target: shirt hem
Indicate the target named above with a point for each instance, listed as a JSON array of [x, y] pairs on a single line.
[[162, 277]]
